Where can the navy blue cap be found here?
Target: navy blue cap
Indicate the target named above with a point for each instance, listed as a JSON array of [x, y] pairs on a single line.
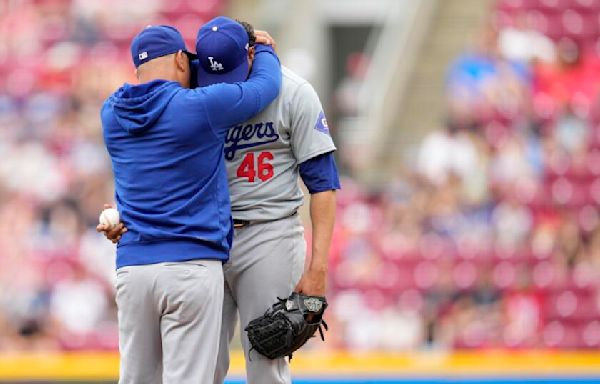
[[222, 50], [156, 41]]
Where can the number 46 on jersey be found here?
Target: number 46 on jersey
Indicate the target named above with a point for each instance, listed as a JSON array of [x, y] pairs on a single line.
[[256, 166]]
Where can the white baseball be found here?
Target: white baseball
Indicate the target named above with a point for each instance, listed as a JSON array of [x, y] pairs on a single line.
[[110, 217]]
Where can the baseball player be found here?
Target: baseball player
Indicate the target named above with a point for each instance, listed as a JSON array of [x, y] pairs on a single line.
[[264, 157], [166, 142]]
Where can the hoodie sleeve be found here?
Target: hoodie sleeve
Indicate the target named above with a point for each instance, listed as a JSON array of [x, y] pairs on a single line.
[[231, 104]]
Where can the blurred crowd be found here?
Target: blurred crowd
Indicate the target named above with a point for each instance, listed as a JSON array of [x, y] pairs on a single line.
[[59, 60], [490, 238]]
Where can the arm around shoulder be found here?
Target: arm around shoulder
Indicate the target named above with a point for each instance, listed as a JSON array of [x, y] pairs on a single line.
[[230, 104], [265, 74]]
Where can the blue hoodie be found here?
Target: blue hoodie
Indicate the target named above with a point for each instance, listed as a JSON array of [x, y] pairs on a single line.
[[166, 146]]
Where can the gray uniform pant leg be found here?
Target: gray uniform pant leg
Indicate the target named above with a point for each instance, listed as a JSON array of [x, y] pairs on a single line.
[[228, 323], [140, 344], [267, 261], [169, 321]]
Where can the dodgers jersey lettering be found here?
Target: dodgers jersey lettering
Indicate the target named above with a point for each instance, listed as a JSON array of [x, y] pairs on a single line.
[[262, 155]]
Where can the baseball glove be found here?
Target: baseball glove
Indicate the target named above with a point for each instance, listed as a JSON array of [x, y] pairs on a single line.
[[287, 325]]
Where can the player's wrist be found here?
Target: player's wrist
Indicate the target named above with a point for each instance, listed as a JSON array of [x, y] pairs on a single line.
[[318, 269], [319, 262]]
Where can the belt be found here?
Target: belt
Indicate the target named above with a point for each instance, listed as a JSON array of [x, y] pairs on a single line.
[[237, 223], [241, 223]]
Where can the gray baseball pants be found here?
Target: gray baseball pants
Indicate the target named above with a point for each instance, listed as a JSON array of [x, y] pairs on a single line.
[[169, 321], [266, 262]]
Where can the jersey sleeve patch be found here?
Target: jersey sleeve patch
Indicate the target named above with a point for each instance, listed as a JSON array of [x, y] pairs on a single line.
[[321, 124]]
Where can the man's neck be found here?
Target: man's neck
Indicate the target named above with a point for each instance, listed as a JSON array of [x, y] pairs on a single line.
[[151, 77]]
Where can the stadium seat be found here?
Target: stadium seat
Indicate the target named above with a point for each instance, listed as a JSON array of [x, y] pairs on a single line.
[[578, 25], [568, 193], [435, 247], [504, 275], [590, 335], [464, 275], [571, 304], [411, 299], [594, 190], [561, 335], [552, 5], [587, 217], [548, 24], [544, 275], [590, 6], [425, 274], [393, 279]]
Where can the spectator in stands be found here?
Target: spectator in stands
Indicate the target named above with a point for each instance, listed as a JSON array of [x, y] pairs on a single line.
[[571, 130], [446, 152], [521, 42], [79, 305], [484, 82], [512, 224], [572, 78]]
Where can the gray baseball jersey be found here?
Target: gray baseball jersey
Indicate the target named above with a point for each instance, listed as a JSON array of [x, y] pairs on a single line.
[[263, 154]]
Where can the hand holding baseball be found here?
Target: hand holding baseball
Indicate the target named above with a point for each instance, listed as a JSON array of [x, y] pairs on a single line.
[[109, 217], [110, 224]]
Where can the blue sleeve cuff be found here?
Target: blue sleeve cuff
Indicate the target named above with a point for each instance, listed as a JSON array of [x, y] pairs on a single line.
[[264, 48], [320, 174]]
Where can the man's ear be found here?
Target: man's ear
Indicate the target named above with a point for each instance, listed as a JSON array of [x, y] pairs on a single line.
[[180, 60], [251, 53]]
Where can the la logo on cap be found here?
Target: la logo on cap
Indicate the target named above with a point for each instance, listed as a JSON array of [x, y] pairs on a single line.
[[215, 65]]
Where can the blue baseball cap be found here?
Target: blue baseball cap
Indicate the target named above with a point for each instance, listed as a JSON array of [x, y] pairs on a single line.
[[156, 41], [222, 50]]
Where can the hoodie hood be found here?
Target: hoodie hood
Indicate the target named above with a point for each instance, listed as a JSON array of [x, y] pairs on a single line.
[[137, 107]]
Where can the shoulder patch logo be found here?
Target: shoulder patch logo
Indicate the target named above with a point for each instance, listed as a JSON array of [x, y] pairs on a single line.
[[321, 124]]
